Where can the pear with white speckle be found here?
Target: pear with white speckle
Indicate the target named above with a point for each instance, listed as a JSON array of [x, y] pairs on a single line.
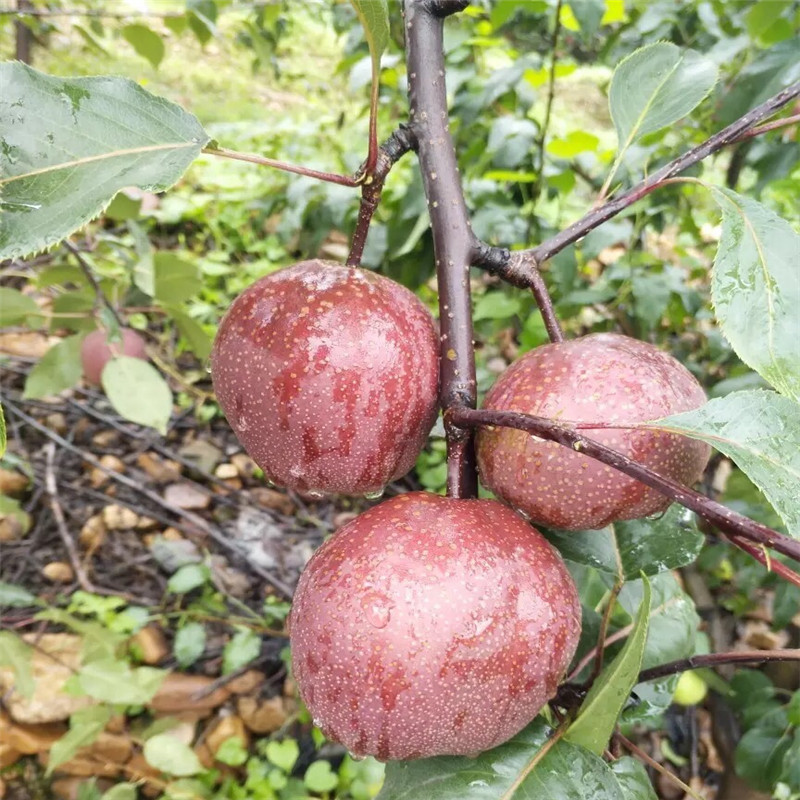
[[329, 376], [432, 626], [604, 378]]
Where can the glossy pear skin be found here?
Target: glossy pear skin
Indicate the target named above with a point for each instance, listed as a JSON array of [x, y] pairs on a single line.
[[329, 377], [605, 378], [432, 626], [96, 351]]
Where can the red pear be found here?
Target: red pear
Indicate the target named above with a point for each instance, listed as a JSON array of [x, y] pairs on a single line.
[[603, 378], [97, 351], [329, 376], [432, 626]]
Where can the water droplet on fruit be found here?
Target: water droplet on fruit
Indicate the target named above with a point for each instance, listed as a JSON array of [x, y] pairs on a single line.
[[356, 757], [377, 609], [242, 424], [314, 494], [317, 723], [376, 494]]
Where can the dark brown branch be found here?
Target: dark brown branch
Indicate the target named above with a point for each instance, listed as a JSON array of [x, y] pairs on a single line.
[[730, 522], [452, 235], [726, 136], [389, 153], [715, 659]]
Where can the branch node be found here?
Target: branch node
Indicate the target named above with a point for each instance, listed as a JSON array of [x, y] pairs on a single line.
[[444, 8]]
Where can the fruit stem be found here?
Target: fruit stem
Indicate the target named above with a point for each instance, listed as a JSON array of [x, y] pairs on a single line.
[[453, 239], [734, 525], [729, 135], [389, 153]]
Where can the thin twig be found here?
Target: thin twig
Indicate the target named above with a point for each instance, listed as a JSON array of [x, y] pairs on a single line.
[[784, 122], [51, 488], [622, 633], [551, 93], [87, 271], [601, 639], [650, 761]]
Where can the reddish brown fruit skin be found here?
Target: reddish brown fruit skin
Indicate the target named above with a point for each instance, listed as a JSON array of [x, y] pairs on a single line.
[[96, 351], [432, 626], [606, 378], [329, 376]]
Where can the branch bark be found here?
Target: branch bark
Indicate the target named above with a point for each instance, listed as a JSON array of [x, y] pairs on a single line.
[[731, 523], [453, 239]]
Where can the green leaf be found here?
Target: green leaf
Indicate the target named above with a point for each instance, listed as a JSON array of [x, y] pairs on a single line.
[[633, 779], [13, 596], [374, 17], [59, 368], [114, 681], [170, 755], [496, 305], [9, 507], [629, 548], [600, 710], [672, 634], [756, 291], [283, 754], [138, 392], [201, 15], [15, 307], [760, 752], [769, 71], [17, 654], [146, 42], [760, 431], [188, 577], [190, 642], [199, 341], [70, 144], [320, 777], [176, 280], [520, 768], [232, 752], [144, 277], [243, 647], [84, 727], [122, 791], [573, 144], [654, 87]]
